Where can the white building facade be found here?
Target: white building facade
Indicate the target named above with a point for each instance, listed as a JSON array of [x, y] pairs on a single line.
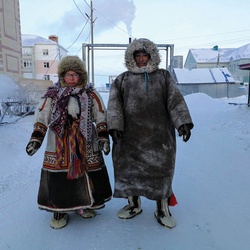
[[40, 57], [216, 57]]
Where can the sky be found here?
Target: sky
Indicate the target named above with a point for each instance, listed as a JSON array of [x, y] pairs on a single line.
[[211, 184], [185, 23]]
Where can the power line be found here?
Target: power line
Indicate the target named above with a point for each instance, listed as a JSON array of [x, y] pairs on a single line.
[[50, 66], [230, 41], [83, 42], [87, 20], [130, 35], [78, 35], [215, 34], [80, 10]]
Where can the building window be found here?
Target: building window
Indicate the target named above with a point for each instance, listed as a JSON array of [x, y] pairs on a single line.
[[46, 64], [26, 52], [45, 52], [46, 77], [27, 64]]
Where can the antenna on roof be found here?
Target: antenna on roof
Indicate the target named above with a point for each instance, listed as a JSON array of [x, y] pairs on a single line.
[[218, 60]]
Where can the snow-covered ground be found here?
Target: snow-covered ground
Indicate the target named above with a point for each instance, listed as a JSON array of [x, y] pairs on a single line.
[[211, 184]]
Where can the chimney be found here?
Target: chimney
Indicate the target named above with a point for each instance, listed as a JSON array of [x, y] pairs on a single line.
[[53, 38]]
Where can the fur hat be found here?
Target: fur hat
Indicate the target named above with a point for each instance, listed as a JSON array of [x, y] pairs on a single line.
[[72, 63], [147, 46], [143, 51]]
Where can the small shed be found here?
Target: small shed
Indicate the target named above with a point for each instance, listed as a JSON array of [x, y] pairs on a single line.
[[246, 66], [215, 82]]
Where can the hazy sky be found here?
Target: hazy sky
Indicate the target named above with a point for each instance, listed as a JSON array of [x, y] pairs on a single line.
[[185, 23]]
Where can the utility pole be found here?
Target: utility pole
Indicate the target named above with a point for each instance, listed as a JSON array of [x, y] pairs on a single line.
[[90, 47], [92, 41]]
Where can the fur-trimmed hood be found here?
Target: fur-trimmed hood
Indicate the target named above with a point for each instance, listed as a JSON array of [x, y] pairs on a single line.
[[150, 48], [72, 63]]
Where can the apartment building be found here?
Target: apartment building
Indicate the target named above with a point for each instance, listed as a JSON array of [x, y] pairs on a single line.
[[41, 56], [10, 39]]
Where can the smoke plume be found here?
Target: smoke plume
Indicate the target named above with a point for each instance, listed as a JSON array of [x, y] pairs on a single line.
[[116, 11], [107, 14]]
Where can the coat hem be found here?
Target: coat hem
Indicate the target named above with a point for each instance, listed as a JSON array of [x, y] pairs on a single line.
[[51, 209]]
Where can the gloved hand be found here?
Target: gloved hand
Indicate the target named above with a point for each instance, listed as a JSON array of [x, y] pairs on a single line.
[[185, 131], [105, 146], [116, 135], [32, 147]]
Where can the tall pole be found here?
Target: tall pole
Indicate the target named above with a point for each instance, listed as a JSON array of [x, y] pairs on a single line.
[[248, 101], [92, 42]]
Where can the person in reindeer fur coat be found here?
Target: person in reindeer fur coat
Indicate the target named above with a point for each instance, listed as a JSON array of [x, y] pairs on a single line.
[[73, 176], [144, 109]]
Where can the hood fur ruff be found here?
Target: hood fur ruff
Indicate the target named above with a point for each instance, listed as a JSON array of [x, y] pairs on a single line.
[[72, 63], [150, 48]]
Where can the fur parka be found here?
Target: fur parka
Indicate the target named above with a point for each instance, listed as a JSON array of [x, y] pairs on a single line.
[[57, 192], [146, 105]]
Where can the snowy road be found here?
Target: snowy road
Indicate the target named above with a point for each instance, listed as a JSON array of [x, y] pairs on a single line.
[[211, 184]]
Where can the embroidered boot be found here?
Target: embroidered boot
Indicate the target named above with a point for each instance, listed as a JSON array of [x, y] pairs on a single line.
[[163, 215], [86, 213], [132, 209], [59, 220]]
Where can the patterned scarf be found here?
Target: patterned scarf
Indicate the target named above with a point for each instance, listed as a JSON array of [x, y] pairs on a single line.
[[77, 148], [78, 133]]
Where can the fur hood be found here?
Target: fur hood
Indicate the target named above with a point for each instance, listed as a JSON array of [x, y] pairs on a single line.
[[73, 63], [150, 48]]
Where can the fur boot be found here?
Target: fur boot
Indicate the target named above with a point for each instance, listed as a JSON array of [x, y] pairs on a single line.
[[86, 213], [132, 209], [163, 215], [59, 220]]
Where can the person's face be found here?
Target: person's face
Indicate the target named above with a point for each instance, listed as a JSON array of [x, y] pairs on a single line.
[[141, 59], [71, 78]]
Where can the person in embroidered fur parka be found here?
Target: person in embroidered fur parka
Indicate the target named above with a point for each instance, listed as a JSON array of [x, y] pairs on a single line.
[[74, 175], [144, 109]]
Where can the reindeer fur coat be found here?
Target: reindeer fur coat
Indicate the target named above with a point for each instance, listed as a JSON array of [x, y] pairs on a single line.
[[146, 105]]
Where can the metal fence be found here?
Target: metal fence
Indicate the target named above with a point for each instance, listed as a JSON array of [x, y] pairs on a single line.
[[15, 109]]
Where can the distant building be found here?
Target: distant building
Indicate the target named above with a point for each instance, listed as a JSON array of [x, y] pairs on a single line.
[[178, 62], [10, 39], [217, 57], [203, 76], [215, 82], [41, 56]]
